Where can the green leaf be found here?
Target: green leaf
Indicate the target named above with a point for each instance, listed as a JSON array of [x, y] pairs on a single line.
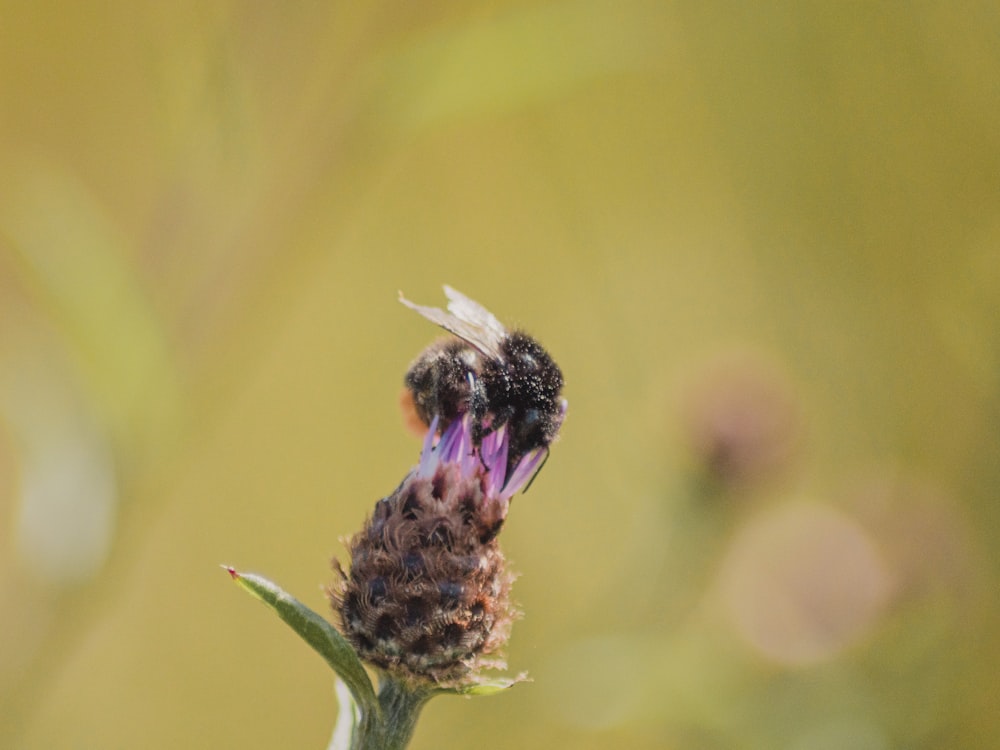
[[348, 719], [318, 633], [483, 687]]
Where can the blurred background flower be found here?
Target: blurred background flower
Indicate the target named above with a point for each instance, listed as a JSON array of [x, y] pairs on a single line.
[[763, 243]]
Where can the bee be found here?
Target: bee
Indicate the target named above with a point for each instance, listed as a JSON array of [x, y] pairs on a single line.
[[499, 377]]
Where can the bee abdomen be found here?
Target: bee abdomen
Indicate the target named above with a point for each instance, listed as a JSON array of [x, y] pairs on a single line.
[[439, 380]]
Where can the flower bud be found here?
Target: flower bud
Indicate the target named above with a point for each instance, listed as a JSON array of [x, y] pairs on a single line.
[[428, 593]]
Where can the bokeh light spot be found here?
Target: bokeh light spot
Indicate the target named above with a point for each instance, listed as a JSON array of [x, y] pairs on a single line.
[[803, 582]]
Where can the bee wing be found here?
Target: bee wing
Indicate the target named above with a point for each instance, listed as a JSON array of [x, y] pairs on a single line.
[[471, 311], [467, 319]]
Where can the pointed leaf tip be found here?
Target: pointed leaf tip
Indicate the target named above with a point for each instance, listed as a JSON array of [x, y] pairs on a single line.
[[486, 686], [231, 570], [317, 632]]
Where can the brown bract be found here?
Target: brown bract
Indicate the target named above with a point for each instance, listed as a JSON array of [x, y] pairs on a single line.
[[427, 596]]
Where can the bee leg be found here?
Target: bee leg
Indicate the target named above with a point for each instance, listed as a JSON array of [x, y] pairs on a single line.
[[531, 481], [479, 406]]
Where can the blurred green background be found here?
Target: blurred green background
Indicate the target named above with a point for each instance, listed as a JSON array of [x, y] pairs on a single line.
[[763, 242]]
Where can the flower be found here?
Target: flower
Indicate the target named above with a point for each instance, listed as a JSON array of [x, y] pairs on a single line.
[[742, 420], [428, 593]]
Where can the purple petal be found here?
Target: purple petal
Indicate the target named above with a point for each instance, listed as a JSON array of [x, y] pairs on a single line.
[[427, 459], [468, 460], [448, 448], [496, 460], [524, 471]]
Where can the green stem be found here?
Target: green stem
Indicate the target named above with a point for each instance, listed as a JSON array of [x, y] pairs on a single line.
[[400, 707]]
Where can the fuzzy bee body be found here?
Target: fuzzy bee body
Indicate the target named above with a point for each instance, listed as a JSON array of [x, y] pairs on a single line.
[[444, 381], [500, 378]]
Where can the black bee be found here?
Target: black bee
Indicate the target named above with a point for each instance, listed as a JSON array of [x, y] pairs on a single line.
[[499, 377]]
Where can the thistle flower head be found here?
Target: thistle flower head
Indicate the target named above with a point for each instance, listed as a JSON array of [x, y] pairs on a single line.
[[427, 596]]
